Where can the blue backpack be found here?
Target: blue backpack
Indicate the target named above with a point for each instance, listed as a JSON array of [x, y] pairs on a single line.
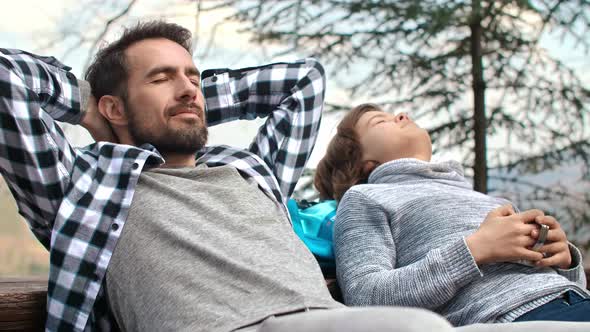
[[314, 223]]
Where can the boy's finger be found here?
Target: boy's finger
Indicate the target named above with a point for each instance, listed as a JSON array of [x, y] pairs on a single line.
[[502, 211], [556, 235], [559, 260], [549, 261], [553, 248], [530, 215], [527, 241], [530, 255], [547, 220]]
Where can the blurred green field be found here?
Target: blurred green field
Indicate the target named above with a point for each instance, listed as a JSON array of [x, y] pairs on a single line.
[[20, 253]]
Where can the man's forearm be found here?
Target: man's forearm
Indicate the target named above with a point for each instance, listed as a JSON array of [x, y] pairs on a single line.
[[255, 92], [35, 157], [289, 95], [55, 87]]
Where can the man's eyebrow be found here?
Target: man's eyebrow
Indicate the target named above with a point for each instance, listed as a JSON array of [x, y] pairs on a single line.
[[191, 71]]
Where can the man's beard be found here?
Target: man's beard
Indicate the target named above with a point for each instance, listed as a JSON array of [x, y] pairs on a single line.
[[167, 140]]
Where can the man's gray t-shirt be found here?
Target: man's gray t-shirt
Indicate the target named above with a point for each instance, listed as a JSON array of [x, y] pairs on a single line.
[[205, 250]]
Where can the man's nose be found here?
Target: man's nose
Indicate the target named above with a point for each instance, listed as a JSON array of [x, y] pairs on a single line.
[[187, 90]]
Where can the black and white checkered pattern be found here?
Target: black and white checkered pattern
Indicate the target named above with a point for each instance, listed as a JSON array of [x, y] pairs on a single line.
[[76, 201]]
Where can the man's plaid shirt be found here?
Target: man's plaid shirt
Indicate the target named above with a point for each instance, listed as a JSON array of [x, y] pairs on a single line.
[[76, 200]]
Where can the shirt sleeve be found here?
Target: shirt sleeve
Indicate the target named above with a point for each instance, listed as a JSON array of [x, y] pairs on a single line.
[[289, 95], [366, 261], [35, 158]]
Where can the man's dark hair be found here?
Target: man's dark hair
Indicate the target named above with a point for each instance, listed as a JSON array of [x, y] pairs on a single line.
[[108, 74]]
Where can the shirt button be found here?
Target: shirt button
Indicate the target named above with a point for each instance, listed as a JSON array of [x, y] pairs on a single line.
[[115, 226], [214, 79], [135, 165]]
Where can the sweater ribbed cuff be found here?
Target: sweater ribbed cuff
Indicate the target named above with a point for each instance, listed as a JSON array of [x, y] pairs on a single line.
[[461, 264], [576, 273]]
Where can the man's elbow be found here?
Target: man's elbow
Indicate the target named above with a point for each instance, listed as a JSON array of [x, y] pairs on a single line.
[[316, 75]]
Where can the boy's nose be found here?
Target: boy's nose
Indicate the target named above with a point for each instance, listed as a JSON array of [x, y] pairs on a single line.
[[402, 117]]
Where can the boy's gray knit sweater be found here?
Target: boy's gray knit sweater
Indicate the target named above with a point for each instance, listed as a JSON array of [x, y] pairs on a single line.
[[399, 240]]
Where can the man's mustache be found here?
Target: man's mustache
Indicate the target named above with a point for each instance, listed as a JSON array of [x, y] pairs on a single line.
[[185, 108]]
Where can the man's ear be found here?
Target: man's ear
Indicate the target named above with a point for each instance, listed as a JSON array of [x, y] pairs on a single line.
[[112, 109], [369, 166]]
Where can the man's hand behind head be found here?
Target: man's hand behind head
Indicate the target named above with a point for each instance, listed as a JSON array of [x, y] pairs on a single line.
[[96, 124]]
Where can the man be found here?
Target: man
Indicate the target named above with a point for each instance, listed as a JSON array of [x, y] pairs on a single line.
[[156, 231]]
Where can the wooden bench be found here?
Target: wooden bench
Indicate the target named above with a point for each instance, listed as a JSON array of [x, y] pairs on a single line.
[[22, 302]]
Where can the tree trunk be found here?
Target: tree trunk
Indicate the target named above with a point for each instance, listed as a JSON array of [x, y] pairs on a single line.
[[480, 169]]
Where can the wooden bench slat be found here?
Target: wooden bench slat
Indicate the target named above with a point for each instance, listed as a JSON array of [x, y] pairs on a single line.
[[22, 304], [23, 301]]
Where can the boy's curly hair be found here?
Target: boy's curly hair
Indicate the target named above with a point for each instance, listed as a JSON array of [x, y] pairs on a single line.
[[342, 167]]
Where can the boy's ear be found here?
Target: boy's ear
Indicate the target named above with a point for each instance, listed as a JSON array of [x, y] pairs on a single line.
[[369, 166], [113, 110]]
